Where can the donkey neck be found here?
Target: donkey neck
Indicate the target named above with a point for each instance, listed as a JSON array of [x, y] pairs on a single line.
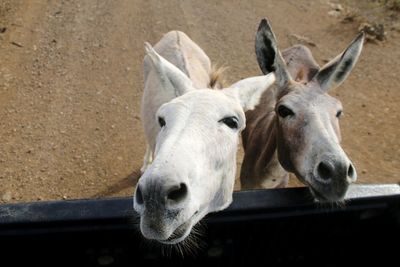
[[261, 168], [268, 121]]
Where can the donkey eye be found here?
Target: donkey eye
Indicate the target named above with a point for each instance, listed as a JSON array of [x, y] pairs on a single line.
[[161, 121], [339, 113], [284, 111], [231, 122]]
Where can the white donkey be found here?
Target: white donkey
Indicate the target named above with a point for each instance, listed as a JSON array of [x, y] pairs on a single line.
[[193, 135]]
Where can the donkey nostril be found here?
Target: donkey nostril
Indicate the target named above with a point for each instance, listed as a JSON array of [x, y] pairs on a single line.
[[325, 171], [178, 194], [139, 196]]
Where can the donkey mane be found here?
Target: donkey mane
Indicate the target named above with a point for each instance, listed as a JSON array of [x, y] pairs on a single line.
[[217, 78]]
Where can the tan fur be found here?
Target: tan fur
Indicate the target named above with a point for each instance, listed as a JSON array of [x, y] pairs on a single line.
[[217, 79]]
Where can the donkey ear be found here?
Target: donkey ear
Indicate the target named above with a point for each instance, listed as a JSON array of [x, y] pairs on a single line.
[[249, 91], [268, 56], [171, 78], [336, 71]]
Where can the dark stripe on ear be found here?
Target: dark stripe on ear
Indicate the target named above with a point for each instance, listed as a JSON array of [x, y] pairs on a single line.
[[325, 73], [344, 70], [347, 65]]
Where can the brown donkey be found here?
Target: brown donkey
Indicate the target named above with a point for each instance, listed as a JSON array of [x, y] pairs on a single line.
[[295, 128]]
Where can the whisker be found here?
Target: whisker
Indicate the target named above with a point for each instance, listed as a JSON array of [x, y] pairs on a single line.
[[179, 247]]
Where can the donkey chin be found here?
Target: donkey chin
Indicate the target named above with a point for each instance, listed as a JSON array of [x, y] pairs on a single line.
[[170, 227]]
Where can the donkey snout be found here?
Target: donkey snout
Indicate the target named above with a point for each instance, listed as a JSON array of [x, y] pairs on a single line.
[[331, 178], [160, 203], [333, 170]]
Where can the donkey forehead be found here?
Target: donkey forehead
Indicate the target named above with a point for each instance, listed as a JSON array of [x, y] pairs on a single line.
[[309, 96], [204, 101]]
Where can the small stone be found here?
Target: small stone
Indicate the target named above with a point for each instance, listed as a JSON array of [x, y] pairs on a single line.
[[334, 13], [6, 196]]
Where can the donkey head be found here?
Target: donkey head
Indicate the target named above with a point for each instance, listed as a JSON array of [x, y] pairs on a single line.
[[308, 118], [194, 167]]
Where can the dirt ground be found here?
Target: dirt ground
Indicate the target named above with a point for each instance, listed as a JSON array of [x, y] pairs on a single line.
[[71, 83]]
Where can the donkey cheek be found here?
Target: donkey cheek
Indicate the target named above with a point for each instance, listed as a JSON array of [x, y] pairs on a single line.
[[284, 155]]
